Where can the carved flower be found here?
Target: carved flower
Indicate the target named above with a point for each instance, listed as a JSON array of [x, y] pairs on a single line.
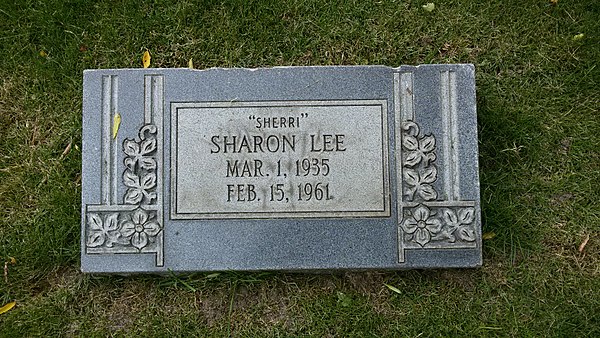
[[418, 150], [138, 154], [419, 183], [139, 187], [102, 231], [140, 175], [421, 225], [140, 228], [459, 224]]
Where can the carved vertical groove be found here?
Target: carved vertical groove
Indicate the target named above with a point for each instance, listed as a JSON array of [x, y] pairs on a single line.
[[153, 115], [449, 111], [113, 141], [110, 92], [404, 108]]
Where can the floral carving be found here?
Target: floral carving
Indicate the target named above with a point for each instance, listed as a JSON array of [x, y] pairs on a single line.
[[459, 224], [140, 173], [102, 230], [424, 224], [419, 183], [140, 228], [136, 229], [124, 229], [419, 172], [417, 150]]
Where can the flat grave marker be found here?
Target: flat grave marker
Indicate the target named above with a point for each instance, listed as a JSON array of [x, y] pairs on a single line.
[[285, 168]]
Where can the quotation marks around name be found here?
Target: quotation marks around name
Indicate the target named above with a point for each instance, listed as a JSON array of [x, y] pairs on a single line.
[[302, 115]]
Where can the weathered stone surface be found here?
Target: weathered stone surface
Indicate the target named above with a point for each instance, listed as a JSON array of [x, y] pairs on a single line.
[[292, 168]]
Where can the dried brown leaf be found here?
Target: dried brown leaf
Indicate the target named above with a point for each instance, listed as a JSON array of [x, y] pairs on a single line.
[[584, 243]]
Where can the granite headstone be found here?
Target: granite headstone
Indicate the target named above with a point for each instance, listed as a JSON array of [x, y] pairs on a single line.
[[285, 168]]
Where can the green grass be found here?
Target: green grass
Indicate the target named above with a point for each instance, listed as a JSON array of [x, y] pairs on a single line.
[[538, 100]]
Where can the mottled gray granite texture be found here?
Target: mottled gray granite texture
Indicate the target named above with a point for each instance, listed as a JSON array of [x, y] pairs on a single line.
[[285, 168]]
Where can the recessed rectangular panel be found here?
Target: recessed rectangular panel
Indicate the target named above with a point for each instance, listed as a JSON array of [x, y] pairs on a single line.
[[280, 159]]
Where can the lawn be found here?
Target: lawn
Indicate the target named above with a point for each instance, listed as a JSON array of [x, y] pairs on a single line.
[[538, 99]]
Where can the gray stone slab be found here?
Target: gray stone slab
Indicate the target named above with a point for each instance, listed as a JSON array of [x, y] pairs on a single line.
[[285, 168]]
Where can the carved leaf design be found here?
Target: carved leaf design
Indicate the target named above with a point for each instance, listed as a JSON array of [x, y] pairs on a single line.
[[428, 175], [111, 225], [147, 146], [410, 142], [411, 177], [427, 192], [95, 222], [130, 179], [96, 239], [466, 215], [450, 217], [466, 234], [133, 196], [131, 148], [112, 222], [147, 163], [412, 158], [148, 181], [427, 144]]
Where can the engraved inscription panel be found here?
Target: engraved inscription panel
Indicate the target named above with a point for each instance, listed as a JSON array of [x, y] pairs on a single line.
[[279, 159]]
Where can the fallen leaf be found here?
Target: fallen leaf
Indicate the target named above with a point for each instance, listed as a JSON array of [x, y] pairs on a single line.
[[213, 275], [7, 307], [12, 260], [553, 2], [430, 6], [83, 48], [578, 37], [146, 59], [584, 243], [393, 288], [191, 64], [64, 153], [488, 235], [116, 125], [43, 53]]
